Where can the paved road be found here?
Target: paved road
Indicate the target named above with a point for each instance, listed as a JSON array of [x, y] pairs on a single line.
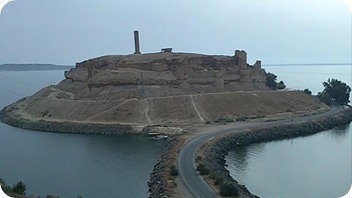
[[186, 160]]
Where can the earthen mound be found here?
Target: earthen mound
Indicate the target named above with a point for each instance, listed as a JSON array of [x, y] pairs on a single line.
[[160, 88]]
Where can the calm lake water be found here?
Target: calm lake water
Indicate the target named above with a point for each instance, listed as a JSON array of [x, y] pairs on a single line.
[[313, 166], [68, 165]]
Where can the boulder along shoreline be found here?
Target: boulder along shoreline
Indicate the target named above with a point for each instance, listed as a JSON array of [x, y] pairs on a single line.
[[67, 127], [83, 127], [157, 180], [219, 147]]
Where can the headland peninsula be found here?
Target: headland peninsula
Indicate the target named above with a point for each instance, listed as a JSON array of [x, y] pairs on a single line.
[[182, 95], [125, 93]]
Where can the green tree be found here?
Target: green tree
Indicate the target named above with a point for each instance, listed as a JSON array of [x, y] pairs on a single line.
[[202, 169], [2, 182], [281, 85], [324, 97], [19, 188], [173, 170], [307, 91], [271, 80], [228, 190], [335, 91], [7, 189]]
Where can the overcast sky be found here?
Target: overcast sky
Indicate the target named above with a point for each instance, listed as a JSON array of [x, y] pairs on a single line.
[[274, 31]]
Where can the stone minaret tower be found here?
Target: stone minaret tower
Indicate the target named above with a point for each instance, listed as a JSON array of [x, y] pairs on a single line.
[[136, 43]]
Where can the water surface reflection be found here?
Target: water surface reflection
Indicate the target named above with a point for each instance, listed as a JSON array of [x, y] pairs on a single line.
[[313, 166]]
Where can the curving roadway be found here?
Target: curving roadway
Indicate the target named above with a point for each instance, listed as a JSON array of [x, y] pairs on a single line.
[[186, 159]]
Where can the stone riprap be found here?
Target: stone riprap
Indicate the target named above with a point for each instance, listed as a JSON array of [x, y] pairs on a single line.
[[215, 154], [157, 181]]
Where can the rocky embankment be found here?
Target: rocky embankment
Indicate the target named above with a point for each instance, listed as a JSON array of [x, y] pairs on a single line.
[[157, 181], [66, 127], [215, 154], [86, 127]]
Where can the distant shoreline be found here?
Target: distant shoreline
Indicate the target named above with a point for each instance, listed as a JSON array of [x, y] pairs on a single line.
[[34, 67], [307, 64]]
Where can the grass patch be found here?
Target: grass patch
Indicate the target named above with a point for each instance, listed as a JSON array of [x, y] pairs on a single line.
[[173, 170], [218, 181], [228, 190], [224, 120], [202, 169], [241, 119]]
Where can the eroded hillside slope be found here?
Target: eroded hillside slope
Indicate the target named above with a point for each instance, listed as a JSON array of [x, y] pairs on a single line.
[[160, 88]]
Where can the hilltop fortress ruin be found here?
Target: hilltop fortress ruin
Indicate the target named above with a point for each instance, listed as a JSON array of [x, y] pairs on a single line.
[[167, 73], [157, 88]]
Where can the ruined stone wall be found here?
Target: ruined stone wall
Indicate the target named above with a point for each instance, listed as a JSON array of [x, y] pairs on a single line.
[[184, 70], [134, 77], [245, 76], [258, 76], [241, 58]]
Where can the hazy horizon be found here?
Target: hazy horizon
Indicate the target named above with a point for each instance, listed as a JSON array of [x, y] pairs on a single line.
[[274, 31]]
